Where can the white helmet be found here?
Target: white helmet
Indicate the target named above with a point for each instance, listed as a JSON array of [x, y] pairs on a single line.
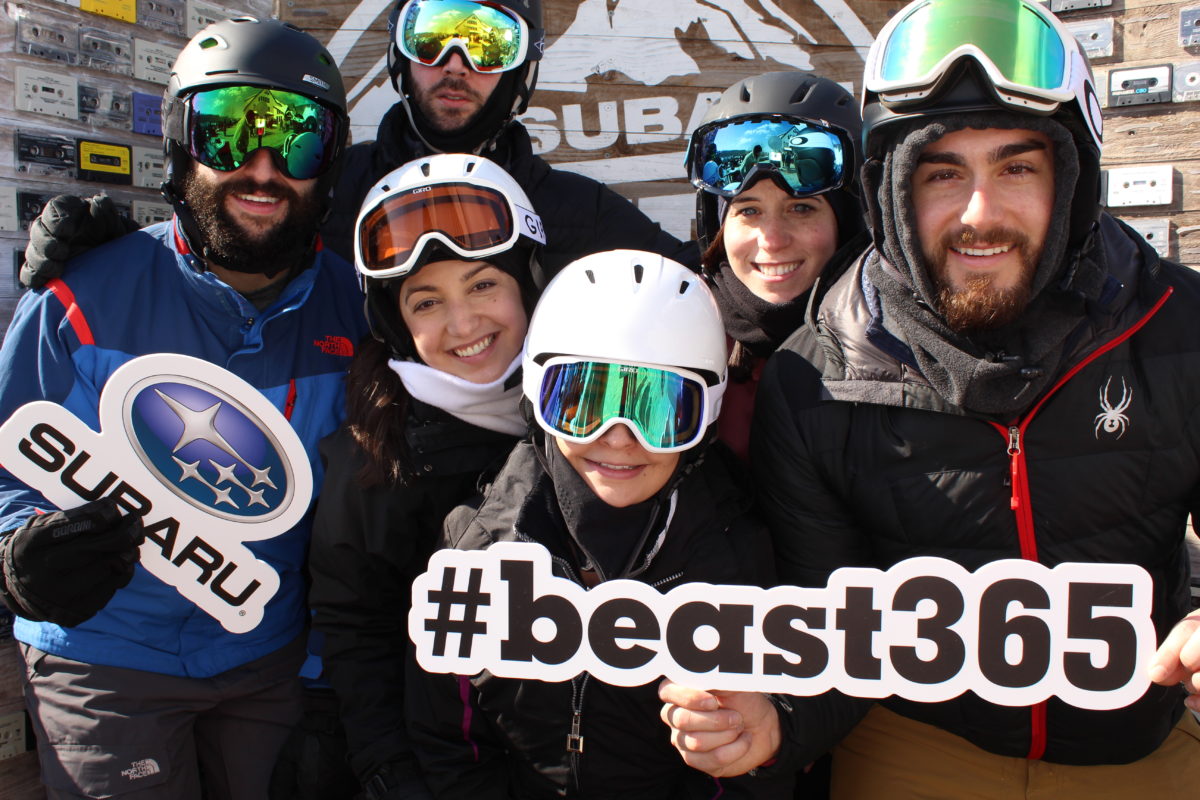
[[637, 310], [446, 206]]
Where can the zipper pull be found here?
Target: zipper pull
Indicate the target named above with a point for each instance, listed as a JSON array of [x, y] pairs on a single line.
[[575, 738], [1014, 450]]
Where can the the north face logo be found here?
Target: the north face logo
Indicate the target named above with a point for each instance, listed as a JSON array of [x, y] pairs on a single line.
[[335, 346], [143, 768]]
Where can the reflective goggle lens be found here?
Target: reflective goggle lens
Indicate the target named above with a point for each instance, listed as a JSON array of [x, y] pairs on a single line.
[[473, 218], [1021, 44], [577, 399], [227, 125], [809, 157], [493, 40]]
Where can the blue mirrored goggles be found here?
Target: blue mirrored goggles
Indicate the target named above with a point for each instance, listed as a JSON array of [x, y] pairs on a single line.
[[580, 400], [809, 157]]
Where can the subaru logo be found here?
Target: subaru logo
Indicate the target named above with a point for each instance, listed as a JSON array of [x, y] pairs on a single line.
[[208, 449]]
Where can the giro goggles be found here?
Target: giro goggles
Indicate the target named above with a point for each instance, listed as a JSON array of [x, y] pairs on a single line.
[[579, 400], [1017, 43], [491, 38], [224, 127], [471, 220], [809, 157]]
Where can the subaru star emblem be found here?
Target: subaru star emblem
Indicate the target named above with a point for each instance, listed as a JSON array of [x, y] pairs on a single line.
[[208, 449]]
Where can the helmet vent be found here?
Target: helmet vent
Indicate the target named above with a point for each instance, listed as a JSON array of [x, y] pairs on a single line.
[[638, 269], [425, 169], [683, 286], [745, 94], [210, 42], [325, 59], [591, 276]]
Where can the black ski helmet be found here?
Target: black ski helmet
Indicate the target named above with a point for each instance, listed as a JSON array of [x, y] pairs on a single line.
[[510, 98], [244, 51], [795, 94]]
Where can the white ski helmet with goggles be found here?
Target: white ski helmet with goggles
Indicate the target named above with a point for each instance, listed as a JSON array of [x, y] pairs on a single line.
[[626, 336], [445, 207]]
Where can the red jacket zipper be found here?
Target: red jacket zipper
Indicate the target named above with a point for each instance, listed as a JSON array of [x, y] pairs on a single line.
[[1021, 503]]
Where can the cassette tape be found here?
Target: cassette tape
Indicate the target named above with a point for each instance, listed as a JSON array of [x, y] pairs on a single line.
[[49, 93], [29, 205], [149, 167], [1140, 186], [105, 104], [46, 154], [1189, 26], [1156, 232], [146, 212], [152, 61], [1058, 6], [8, 209], [147, 114], [105, 50], [1139, 86], [124, 10], [1187, 82], [162, 15], [105, 162], [201, 15], [54, 40], [1095, 36]]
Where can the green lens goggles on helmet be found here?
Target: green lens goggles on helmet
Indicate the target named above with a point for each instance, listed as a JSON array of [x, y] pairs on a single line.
[[579, 400], [1018, 44], [224, 127], [491, 38]]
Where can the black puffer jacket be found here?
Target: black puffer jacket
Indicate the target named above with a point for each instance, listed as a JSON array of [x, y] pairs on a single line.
[[518, 729], [581, 216], [860, 462], [368, 545]]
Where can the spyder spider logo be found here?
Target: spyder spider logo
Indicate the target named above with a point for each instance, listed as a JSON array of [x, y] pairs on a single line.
[[1112, 418]]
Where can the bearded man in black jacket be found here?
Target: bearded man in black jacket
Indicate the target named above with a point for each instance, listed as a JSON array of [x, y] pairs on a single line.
[[1007, 373]]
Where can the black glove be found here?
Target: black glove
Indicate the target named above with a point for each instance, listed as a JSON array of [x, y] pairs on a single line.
[[69, 226], [395, 782], [65, 566]]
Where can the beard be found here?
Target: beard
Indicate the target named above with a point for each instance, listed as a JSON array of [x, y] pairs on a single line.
[[444, 120], [281, 247], [978, 305]]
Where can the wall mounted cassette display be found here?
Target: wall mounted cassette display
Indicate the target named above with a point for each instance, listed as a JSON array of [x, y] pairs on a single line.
[[105, 50], [1140, 186], [8, 208], [147, 114], [201, 14], [1139, 86], [45, 92], [1187, 82], [44, 153], [1156, 231], [1059, 6], [29, 205], [1095, 36], [1189, 26], [105, 162], [146, 212], [168, 16], [46, 37], [152, 61], [106, 104], [148, 167]]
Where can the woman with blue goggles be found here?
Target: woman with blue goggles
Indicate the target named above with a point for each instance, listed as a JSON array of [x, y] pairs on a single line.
[[774, 164]]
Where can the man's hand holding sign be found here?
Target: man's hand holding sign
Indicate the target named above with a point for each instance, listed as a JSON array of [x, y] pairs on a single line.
[[191, 462]]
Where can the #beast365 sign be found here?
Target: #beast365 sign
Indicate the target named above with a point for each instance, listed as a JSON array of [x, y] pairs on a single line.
[[1014, 632], [200, 454]]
